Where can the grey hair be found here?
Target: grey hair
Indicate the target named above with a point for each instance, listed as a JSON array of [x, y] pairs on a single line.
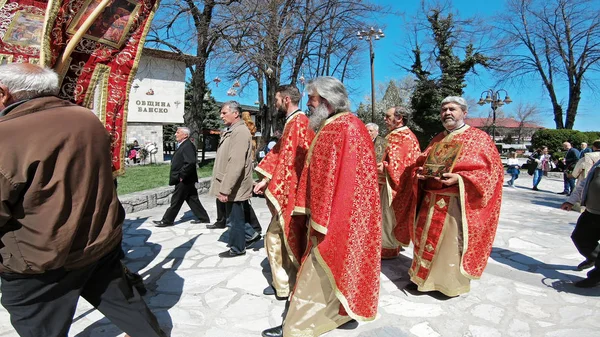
[[27, 82], [373, 125], [234, 106], [185, 130], [458, 100], [332, 90], [401, 113]]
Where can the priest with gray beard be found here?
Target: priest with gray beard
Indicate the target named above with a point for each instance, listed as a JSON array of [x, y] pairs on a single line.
[[339, 195]]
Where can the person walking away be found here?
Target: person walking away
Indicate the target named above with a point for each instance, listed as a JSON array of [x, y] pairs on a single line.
[[571, 158], [61, 223]]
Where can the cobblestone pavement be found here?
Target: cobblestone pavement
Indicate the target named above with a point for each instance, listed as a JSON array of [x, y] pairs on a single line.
[[526, 289]]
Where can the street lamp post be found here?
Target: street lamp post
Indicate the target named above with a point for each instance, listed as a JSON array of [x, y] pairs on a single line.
[[493, 97], [369, 35]]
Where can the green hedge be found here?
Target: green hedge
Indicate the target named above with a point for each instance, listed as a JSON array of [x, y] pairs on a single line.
[[553, 139]]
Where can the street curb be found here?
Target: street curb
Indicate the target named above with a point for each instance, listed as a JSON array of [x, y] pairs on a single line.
[[139, 201]]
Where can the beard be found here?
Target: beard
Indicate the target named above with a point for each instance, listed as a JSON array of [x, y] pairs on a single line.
[[317, 116], [449, 122], [281, 111]]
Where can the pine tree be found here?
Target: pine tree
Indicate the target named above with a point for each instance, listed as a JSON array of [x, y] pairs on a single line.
[[206, 119], [430, 90]]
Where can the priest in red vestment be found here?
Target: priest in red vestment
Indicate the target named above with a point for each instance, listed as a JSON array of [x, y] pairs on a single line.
[[395, 182], [458, 213], [339, 276], [285, 240]]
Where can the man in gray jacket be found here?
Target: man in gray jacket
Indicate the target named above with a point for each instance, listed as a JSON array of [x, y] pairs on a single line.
[[232, 178]]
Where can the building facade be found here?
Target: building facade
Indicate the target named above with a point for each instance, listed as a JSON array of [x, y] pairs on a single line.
[[156, 98]]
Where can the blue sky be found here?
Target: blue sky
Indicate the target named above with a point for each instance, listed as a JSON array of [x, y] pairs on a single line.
[[386, 68]]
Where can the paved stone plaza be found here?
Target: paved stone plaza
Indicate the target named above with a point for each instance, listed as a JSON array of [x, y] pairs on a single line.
[[525, 291]]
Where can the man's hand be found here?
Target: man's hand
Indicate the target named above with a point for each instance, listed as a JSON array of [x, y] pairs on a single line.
[[380, 168], [223, 197], [448, 179], [419, 175], [260, 187], [566, 206]]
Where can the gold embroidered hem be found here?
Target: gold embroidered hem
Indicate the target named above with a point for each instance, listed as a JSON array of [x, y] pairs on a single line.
[[283, 269], [445, 273], [263, 172], [314, 307]]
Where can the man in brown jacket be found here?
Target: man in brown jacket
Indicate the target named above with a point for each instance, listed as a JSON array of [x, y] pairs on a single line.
[[60, 219], [232, 178]]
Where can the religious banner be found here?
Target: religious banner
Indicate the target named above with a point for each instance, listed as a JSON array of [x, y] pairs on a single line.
[[21, 24], [95, 46]]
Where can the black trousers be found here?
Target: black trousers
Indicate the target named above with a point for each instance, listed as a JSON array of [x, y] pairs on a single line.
[[44, 304], [585, 236], [188, 193]]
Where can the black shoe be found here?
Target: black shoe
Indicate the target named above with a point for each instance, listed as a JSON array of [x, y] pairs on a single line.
[[563, 193], [535, 189], [252, 241], [161, 223], [588, 282], [269, 291], [230, 253], [216, 225], [273, 332], [585, 265], [200, 221]]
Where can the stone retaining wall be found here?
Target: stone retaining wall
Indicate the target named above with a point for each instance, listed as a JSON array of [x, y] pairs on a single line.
[[138, 201]]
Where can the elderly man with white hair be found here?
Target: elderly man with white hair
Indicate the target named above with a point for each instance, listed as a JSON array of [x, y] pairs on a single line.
[[61, 222], [183, 176], [457, 212], [378, 141], [339, 277]]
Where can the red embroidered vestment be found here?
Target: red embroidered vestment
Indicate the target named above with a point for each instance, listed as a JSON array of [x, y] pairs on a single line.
[[283, 166], [479, 190], [339, 191], [400, 156]]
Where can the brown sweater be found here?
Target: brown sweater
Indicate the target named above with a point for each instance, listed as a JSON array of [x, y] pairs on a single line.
[[58, 204]]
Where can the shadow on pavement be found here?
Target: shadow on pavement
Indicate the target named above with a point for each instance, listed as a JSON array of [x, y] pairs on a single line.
[[136, 245], [396, 270], [550, 271], [166, 273]]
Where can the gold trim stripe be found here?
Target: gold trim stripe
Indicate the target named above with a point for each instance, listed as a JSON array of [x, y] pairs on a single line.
[[263, 172], [271, 198], [100, 76], [338, 293]]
